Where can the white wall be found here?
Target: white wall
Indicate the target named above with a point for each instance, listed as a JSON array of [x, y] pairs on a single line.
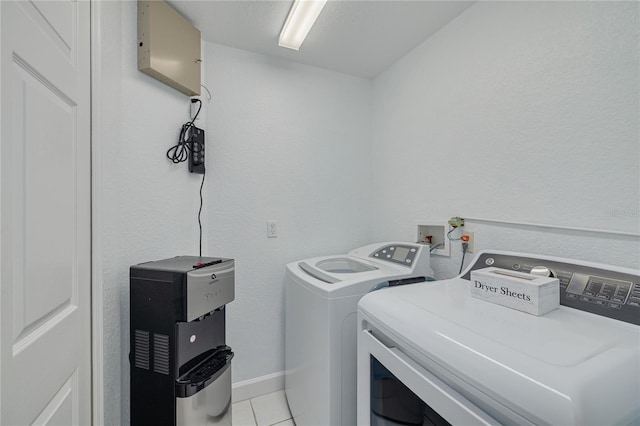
[[287, 143], [149, 206], [521, 111]]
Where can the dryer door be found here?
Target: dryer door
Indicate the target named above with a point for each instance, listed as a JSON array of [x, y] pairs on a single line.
[[395, 390]]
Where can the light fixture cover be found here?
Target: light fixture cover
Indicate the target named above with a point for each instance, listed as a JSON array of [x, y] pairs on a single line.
[[302, 16]]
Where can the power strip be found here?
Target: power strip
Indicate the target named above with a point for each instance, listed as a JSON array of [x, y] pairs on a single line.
[[196, 153]]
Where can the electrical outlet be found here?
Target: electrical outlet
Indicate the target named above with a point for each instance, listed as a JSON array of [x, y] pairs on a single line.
[[272, 229], [470, 242]]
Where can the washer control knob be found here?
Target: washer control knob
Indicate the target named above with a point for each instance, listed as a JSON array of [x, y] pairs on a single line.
[[543, 271]]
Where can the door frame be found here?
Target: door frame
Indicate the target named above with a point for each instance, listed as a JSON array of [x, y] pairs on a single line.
[[97, 285]]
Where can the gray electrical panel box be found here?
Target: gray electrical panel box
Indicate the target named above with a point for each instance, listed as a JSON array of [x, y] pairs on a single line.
[[168, 47]]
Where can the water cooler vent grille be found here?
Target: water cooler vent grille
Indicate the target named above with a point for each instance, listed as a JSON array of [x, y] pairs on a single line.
[[161, 353], [141, 353]]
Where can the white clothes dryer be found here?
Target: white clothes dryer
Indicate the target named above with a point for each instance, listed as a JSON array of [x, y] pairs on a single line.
[[322, 295], [434, 354]]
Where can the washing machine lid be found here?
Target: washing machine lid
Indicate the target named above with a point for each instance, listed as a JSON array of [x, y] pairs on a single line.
[[566, 367], [343, 276], [329, 270]]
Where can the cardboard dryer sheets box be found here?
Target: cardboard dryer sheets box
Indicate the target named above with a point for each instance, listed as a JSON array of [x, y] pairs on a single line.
[[528, 293]]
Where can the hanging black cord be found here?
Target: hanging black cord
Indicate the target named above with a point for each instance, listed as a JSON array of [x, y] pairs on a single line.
[[180, 151], [464, 251], [199, 212]]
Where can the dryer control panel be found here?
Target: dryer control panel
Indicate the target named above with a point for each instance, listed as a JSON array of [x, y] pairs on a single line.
[[588, 287], [397, 253]]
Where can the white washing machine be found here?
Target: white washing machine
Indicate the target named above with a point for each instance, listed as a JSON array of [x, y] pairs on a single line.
[[322, 294]]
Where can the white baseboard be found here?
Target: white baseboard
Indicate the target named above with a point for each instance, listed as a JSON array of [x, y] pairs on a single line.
[[251, 388]]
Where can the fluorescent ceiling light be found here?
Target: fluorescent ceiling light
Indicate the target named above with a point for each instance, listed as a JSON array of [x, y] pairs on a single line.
[[302, 16]]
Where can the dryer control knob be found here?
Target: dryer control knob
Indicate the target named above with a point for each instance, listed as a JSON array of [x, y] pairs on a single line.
[[543, 271]]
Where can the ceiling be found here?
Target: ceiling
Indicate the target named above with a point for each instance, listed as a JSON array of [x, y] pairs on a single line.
[[361, 38]]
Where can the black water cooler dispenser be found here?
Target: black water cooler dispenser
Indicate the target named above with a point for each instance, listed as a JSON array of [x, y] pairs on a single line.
[[180, 363]]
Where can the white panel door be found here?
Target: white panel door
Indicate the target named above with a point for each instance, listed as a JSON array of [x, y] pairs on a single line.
[[45, 348]]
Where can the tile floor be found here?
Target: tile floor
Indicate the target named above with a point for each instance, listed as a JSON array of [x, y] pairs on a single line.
[[265, 410]]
